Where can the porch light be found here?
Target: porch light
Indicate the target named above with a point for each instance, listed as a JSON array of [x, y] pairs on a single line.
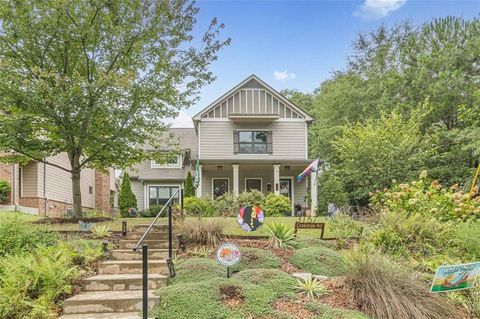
[[219, 168]]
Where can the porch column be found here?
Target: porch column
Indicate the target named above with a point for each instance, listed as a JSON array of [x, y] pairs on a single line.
[[235, 179], [199, 188], [313, 193], [276, 179]]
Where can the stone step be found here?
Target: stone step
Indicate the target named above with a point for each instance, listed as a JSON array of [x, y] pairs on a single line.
[[151, 235], [152, 243], [118, 282], [141, 228], [112, 267], [129, 254], [107, 302], [110, 315]]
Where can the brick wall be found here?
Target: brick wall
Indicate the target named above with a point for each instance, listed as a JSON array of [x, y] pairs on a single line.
[[6, 173], [102, 192]]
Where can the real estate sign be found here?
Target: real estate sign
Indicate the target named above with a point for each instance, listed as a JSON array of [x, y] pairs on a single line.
[[455, 277]]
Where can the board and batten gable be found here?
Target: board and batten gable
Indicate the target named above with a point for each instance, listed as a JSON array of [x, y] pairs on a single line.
[[252, 105]]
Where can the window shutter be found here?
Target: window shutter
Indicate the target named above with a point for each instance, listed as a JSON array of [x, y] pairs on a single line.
[[270, 142], [235, 142]]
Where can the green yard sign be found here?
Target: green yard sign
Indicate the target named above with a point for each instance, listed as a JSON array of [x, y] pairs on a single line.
[[455, 277]]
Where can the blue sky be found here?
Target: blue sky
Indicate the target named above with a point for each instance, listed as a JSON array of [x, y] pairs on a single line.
[[297, 44]]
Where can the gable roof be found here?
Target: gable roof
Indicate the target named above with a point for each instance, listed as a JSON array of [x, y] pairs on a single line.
[[253, 79]]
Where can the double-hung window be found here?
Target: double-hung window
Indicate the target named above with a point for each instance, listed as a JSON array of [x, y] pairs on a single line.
[[252, 142]]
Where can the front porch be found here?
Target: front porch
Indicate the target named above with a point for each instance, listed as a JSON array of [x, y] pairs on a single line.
[[218, 178]]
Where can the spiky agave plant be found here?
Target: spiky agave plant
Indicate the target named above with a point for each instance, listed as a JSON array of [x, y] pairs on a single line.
[[101, 231], [311, 287], [281, 236]]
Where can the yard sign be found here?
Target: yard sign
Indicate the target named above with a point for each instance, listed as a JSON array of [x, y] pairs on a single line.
[[455, 277]]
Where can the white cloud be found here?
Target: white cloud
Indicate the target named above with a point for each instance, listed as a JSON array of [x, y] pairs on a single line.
[[183, 120], [283, 75], [376, 9]]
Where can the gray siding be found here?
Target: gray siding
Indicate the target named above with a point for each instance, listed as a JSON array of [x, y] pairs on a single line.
[[138, 190], [216, 139]]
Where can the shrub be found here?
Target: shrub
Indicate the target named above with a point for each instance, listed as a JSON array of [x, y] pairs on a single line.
[[255, 258], [197, 206], [277, 205], [189, 190], [343, 227], [101, 231], [281, 236], [203, 232], [330, 190], [4, 189], [153, 211], [319, 261], [469, 299], [16, 237], [311, 287], [422, 197], [126, 198], [467, 241], [253, 292], [197, 269], [406, 235], [384, 290], [226, 205], [253, 198]]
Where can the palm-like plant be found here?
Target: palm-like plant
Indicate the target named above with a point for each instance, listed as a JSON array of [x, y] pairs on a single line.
[[281, 236], [101, 231], [311, 287]]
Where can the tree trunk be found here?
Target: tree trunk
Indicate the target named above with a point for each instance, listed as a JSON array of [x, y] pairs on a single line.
[[77, 192]]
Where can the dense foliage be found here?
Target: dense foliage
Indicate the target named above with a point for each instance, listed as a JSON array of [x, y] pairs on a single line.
[[189, 189], [153, 211], [16, 237], [126, 197], [4, 189], [408, 100], [277, 205], [318, 260], [198, 206]]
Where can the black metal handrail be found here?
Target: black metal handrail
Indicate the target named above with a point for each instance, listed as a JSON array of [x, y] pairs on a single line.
[[139, 242]]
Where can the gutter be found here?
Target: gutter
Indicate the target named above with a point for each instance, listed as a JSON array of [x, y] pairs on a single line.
[[45, 206]]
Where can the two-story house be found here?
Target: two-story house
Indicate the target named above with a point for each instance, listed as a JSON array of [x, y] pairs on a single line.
[[251, 137]]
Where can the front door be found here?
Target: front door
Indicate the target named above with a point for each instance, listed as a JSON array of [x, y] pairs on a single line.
[[286, 188]]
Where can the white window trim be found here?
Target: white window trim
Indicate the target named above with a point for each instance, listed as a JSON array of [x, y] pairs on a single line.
[[292, 184], [261, 183], [147, 191], [178, 164], [228, 185]]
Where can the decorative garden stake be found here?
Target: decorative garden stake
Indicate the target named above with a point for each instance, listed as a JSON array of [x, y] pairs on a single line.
[[455, 277], [228, 254], [250, 218]]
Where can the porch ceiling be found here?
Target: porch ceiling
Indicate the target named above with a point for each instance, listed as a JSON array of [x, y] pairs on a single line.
[[255, 161]]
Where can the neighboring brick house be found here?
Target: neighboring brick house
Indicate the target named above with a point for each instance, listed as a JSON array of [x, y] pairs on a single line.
[[45, 190]]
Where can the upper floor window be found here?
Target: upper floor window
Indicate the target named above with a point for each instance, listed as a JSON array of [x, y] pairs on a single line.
[[253, 142], [174, 162]]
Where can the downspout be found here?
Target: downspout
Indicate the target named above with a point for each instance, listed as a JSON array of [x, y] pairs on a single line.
[[45, 187], [14, 188]]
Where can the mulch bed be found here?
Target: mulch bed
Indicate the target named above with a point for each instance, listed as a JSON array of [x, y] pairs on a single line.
[[295, 308], [340, 296], [232, 296], [65, 220]]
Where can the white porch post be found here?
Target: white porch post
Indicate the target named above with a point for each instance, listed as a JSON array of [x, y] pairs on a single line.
[[235, 179], [199, 188], [313, 192], [276, 179]]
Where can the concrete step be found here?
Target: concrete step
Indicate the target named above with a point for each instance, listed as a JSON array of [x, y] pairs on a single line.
[[107, 302], [152, 243], [129, 254], [112, 267], [151, 235], [141, 228], [110, 315], [118, 282]]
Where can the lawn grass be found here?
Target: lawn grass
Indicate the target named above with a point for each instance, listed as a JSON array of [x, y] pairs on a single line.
[[232, 228]]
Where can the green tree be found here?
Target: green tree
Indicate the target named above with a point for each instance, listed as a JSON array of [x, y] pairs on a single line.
[[94, 79], [4, 190], [126, 197], [189, 189], [330, 190], [370, 155]]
